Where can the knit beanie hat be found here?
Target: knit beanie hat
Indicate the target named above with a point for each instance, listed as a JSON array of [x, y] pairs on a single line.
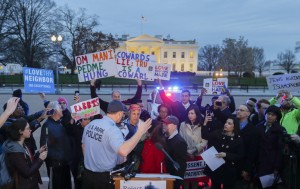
[[62, 99], [275, 110]]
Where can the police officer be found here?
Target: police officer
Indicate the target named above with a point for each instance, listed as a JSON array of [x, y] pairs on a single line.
[[103, 142]]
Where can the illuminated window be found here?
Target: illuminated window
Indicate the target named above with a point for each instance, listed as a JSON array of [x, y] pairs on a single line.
[[174, 54], [191, 54], [165, 54], [182, 67], [182, 54], [174, 67]]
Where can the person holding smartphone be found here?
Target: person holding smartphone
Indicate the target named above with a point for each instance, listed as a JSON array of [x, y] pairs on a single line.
[[218, 115]]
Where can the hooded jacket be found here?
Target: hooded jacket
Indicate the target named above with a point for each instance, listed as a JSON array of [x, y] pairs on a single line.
[[18, 161], [290, 120]]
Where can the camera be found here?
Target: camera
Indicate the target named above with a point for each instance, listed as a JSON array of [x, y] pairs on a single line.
[[50, 112], [218, 103]]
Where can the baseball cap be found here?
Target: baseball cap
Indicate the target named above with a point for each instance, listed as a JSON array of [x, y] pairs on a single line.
[[116, 106], [171, 119]]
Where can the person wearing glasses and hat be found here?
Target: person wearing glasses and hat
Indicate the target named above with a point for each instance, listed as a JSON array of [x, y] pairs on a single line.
[[103, 143], [177, 149]]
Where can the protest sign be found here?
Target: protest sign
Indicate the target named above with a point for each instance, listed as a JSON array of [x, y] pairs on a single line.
[[215, 85], [134, 66], [95, 65], [194, 170], [86, 108], [38, 80], [290, 82], [162, 71]]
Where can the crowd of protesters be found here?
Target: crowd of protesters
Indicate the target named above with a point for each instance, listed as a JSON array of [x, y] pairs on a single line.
[[260, 137]]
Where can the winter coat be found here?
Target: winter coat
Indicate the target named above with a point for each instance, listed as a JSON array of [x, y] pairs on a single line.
[[234, 148], [270, 149], [19, 162]]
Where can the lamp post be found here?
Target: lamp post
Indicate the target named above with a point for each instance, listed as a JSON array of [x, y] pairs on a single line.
[[57, 39]]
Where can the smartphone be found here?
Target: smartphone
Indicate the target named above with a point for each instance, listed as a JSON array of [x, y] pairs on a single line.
[[50, 112], [208, 112], [76, 93]]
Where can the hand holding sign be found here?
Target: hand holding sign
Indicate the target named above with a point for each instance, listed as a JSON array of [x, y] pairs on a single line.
[[85, 109]]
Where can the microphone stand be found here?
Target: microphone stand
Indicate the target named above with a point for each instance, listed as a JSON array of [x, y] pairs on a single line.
[[175, 164], [126, 171]]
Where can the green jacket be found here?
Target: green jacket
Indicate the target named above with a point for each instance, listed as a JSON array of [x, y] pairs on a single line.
[[290, 120]]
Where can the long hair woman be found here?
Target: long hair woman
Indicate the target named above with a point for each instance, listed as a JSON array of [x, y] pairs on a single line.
[[153, 159], [190, 131], [22, 164]]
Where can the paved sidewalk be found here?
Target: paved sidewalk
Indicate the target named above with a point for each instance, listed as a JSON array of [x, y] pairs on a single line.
[[132, 90]]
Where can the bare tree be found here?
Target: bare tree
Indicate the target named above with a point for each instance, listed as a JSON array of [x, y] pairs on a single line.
[[228, 54], [6, 28], [258, 59], [31, 38], [286, 60], [80, 36], [236, 56], [209, 57]]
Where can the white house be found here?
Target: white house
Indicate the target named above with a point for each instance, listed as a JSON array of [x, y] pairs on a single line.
[[182, 55]]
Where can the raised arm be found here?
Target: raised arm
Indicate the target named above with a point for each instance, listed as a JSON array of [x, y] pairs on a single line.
[[137, 96], [10, 108], [103, 104]]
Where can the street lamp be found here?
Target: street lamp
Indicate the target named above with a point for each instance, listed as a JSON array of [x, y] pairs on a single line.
[[57, 39]]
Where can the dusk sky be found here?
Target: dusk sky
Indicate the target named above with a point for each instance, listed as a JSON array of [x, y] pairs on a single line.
[[270, 24]]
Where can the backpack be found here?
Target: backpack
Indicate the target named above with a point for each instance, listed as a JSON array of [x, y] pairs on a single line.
[[5, 178]]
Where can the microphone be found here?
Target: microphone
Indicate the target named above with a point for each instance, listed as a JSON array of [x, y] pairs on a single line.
[[125, 171], [161, 148], [128, 168]]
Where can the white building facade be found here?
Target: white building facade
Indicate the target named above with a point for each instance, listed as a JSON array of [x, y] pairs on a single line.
[[182, 55]]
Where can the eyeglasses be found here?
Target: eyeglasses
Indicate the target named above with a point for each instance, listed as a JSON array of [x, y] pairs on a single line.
[[241, 110]]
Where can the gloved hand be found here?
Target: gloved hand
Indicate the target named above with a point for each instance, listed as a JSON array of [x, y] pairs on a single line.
[[279, 94], [295, 138]]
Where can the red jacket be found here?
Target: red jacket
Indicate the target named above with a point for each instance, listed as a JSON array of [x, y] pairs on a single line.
[[152, 159]]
